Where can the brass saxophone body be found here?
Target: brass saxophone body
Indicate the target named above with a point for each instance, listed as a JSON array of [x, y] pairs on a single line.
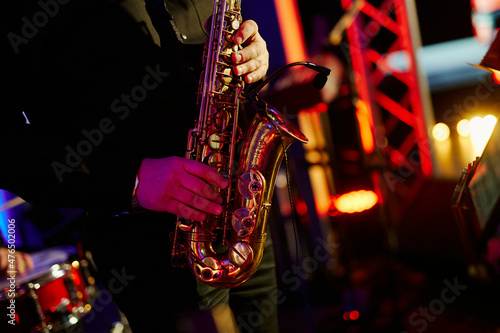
[[225, 251]]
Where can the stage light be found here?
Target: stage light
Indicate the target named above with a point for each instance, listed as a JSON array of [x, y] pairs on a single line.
[[72, 319], [291, 30], [490, 122], [495, 75], [463, 128], [480, 131], [441, 132], [319, 184], [475, 125], [354, 202], [365, 126]]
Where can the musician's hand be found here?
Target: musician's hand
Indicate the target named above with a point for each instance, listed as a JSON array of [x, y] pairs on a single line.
[[180, 186], [22, 261], [253, 60]]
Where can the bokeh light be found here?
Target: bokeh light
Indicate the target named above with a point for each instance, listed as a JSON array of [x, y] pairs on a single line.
[[480, 132], [355, 202], [440, 132], [463, 128]]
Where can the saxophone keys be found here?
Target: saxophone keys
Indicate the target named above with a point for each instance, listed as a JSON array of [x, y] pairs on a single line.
[[210, 272], [227, 75], [215, 160], [235, 24], [255, 186], [250, 184], [222, 119], [243, 222], [243, 185], [215, 142], [241, 254]]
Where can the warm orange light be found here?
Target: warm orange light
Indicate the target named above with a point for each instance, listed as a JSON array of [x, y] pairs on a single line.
[[354, 202], [291, 30], [441, 132], [495, 75], [463, 128], [480, 132], [365, 128], [319, 186]]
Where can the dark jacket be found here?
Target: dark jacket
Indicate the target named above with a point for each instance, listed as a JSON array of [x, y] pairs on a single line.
[[87, 95]]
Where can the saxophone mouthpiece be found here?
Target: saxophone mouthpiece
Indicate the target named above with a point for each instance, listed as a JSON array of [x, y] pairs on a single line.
[[320, 80]]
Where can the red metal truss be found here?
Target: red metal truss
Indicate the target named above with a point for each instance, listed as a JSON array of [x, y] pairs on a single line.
[[381, 31]]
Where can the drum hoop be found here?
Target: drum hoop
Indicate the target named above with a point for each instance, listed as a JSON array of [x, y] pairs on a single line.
[[42, 280]]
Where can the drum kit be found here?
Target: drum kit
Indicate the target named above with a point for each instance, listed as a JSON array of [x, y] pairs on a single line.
[[52, 297]]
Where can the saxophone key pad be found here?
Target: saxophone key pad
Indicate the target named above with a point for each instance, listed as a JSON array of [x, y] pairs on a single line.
[[243, 186], [215, 141], [255, 186], [235, 24], [241, 254], [212, 270], [243, 222]]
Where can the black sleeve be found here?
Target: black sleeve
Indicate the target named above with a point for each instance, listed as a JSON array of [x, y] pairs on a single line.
[[89, 96]]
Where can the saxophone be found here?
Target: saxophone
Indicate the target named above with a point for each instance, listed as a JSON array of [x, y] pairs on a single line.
[[224, 251]]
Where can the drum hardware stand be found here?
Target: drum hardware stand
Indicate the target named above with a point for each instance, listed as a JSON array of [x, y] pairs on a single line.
[[33, 294]]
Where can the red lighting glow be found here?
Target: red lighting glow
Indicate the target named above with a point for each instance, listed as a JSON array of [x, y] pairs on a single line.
[[76, 277], [354, 315], [320, 107], [301, 207], [353, 202]]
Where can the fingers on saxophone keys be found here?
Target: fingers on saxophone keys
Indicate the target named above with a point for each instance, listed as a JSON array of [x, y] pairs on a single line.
[[206, 173], [197, 185], [247, 30], [187, 212], [252, 61], [198, 202]]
